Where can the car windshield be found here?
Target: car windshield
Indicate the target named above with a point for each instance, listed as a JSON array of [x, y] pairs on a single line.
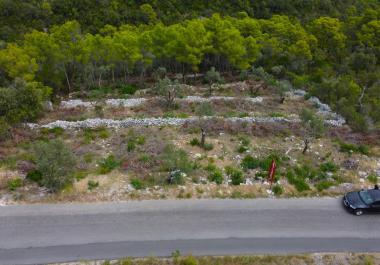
[[366, 197]]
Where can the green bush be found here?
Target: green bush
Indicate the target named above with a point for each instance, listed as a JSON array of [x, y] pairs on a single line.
[[277, 190], [373, 179], [128, 89], [56, 162], [250, 162], [297, 181], [216, 176], [208, 146], [108, 164], [188, 261], [91, 185], [14, 184], [329, 167], [35, 176], [204, 109], [176, 178], [195, 142], [175, 159], [242, 149], [353, 148], [137, 183], [236, 175], [324, 185]]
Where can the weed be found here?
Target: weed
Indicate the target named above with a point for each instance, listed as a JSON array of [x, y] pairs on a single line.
[[88, 157], [297, 181], [136, 184], [14, 184], [195, 142], [216, 176], [235, 174], [277, 190], [324, 185], [353, 148], [108, 164], [91, 185], [35, 176], [329, 167], [242, 149], [373, 179], [204, 109]]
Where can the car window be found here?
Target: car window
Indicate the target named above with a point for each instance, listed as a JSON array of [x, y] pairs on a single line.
[[366, 197]]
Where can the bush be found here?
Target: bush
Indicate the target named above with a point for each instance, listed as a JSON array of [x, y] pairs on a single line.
[[208, 146], [91, 185], [136, 184], [250, 162], [56, 163], [324, 185], [128, 89], [14, 184], [216, 176], [235, 174], [329, 167], [188, 261], [108, 164], [195, 142], [353, 148], [35, 176], [373, 179], [297, 181], [204, 109], [277, 190], [175, 159], [242, 149], [176, 178]]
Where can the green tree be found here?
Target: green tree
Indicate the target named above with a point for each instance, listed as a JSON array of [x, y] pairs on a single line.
[[56, 163]]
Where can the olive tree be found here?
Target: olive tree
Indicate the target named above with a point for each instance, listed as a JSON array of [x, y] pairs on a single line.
[[55, 162]]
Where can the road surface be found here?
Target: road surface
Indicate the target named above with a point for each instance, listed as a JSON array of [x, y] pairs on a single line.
[[36, 234]]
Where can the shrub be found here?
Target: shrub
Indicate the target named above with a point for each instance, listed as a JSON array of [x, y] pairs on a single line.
[[136, 183], [244, 140], [313, 123], [297, 181], [91, 185], [235, 174], [35, 176], [195, 142], [128, 89], [277, 190], [14, 184], [353, 148], [242, 149], [103, 133], [216, 176], [108, 164], [324, 185], [204, 109], [176, 178], [131, 145], [56, 162], [188, 261], [208, 146], [175, 159], [329, 167], [250, 162], [373, 179]]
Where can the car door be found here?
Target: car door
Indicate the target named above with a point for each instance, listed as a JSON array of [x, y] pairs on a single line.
[[375, 207]]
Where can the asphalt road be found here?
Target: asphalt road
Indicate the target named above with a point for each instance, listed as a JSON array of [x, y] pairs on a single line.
[[36, 234]]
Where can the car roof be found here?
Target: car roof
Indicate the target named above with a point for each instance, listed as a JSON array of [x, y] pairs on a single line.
[[375, 194]]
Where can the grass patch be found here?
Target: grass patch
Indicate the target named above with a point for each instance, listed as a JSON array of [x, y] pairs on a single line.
[[353, 148]]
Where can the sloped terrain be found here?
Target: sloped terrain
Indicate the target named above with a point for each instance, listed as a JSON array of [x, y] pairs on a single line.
[[138, 148]]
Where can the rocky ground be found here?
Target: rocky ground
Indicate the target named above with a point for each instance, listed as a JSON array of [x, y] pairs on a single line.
[[237, 125]]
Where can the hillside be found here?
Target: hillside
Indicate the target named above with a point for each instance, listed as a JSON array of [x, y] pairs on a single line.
[[115, 100]]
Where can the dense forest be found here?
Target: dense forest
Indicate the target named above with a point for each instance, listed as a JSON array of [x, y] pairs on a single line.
[[330, 48]]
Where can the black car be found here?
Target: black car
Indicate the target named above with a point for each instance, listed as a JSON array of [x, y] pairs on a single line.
[[364, 201]]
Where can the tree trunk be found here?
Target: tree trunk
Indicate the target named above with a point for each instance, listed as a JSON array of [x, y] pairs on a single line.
[[306, 141], [203, 138], [67, 80]]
